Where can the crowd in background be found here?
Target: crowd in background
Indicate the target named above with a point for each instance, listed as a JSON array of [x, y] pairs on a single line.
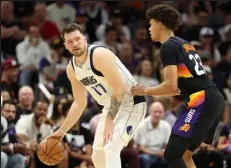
[[32, 52]]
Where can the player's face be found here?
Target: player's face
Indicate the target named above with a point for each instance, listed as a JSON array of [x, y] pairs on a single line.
[[75, 43], [154, 30]]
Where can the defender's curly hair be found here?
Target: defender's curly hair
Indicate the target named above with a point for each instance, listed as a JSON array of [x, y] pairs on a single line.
[[166, 14]]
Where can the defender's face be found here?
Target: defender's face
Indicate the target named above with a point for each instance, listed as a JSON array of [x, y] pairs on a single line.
[[75, 43], [154, 30]]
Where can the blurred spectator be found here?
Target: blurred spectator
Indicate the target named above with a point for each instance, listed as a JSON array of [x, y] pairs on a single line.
[[157, 65], [141, 44], [197, 19], [209, 71], [47, 28], [130, 156], [226, 28], [9, 113], [127, 57], [169, 116], [48, 71], [57, 46], [23, 11], [58, 114], [58, 75], [227, 91], [5, 95], [227, 32], [116, 21], [25, 102], [9, 77], [225, 65], [11, 30], [60, 13], [197, 46], [144, 74], [29, 54], [96, 14], [207, 156], [14, 151], [35, 127], [224, 143], [207, 43], [110, 40], [152, 137], [83, 20]]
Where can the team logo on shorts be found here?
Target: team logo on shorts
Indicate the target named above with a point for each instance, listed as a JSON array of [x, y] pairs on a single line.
[[129, 129], [185, 127]]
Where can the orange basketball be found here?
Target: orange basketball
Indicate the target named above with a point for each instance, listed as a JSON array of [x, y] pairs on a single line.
[[50, 151]]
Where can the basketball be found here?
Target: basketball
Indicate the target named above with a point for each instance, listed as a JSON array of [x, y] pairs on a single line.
[[50, 151]]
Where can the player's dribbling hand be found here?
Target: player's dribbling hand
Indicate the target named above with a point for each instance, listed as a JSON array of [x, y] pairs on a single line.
[[138, 90], [57, 135], [108, 129]]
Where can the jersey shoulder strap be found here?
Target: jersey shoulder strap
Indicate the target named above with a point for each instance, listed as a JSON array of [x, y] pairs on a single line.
[[92, 48]]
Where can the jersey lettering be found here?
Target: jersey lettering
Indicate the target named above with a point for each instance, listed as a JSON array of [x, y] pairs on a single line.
[[90, 80]]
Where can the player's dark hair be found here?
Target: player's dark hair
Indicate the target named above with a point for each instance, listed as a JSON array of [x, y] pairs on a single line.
[[165, 14], [70, 28]]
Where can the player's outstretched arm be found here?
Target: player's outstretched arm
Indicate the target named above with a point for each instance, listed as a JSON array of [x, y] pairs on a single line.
[[169, 87], [79, 104]]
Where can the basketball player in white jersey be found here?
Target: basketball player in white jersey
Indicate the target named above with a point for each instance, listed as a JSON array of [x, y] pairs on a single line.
[[97, 70]]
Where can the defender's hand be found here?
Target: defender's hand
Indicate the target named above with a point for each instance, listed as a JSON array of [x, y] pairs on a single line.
[[138, 90]]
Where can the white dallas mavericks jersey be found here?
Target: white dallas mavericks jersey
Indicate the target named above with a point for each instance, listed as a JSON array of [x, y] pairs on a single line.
[[95, 83]]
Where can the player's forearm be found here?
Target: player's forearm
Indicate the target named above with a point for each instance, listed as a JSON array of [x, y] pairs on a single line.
[[116, 102], [163, 89], [74, 114]]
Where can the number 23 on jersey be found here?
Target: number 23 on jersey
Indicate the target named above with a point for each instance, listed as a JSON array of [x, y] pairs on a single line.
[[199, 69]]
